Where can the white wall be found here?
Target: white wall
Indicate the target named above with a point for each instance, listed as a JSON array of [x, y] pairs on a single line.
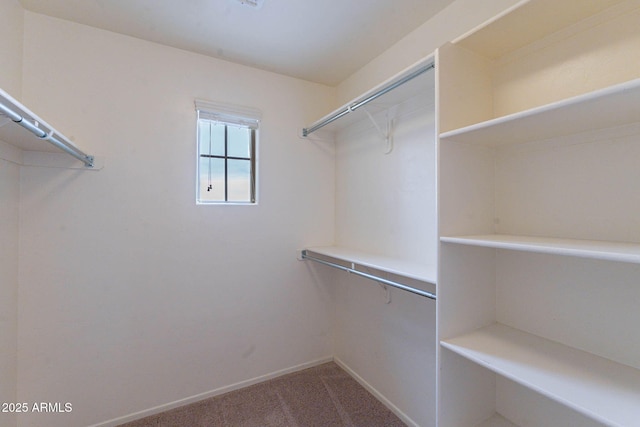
[[11, 26], [131, 296], [9, 198], [10, 80]]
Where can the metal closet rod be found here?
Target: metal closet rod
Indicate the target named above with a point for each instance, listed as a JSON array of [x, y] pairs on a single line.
[[50, 137], [377, 94], [397, 285]]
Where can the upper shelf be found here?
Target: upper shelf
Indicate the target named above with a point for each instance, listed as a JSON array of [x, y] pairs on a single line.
[[23, 129], [394, 91], [613, 106], [527, 22]]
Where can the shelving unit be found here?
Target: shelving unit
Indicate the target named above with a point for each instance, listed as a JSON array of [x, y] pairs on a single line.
[[539, 237]]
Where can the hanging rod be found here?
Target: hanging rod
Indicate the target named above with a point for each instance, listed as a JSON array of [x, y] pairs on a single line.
[[49, 137], [305, 255], [352, 107]]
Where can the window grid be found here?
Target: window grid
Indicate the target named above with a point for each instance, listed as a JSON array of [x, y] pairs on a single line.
[[225, 157]]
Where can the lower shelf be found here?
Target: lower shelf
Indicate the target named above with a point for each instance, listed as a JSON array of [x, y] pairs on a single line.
[[355, 260], [599, 388], [423, 272]]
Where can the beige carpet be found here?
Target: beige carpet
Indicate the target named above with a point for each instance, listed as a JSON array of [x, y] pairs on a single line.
[[324, 396]]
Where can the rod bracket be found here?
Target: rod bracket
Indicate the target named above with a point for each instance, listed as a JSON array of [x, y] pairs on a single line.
[[387, 134]]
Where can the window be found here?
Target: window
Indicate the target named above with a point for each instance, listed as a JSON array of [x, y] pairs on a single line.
[[227, 138]]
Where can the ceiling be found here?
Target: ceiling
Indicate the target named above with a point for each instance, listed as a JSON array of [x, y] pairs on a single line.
[[323, 41]]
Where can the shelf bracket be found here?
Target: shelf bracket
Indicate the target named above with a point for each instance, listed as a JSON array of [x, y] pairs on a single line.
[[387, 134], [385, 288]]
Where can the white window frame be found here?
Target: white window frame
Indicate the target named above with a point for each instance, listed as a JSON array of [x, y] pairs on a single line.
[[236, 116]]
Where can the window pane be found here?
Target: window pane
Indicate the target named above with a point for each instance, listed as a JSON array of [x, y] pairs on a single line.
[[239, 176], [239, 141], [225, 173], [211, 185], [211, 137]]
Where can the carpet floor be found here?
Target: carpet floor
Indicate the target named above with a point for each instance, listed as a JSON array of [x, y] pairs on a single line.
[[323, 396]]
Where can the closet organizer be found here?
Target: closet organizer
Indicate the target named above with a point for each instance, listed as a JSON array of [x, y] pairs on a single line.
[[23, 129], [538, 197], [375, 130]]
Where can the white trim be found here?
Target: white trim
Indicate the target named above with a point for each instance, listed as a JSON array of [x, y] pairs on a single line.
[[228, 113], [198, 397], [393, 408]]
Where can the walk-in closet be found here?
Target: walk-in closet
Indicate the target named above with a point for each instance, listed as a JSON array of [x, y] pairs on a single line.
[[274, 213]]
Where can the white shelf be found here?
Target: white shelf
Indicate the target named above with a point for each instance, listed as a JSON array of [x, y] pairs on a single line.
[[606, 391], [610, 251], [527, 22], [412, 270], [497, 421], [614, 106]]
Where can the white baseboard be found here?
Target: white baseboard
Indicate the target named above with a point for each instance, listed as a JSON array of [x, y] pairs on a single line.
[[198, 397], [393, 408]]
